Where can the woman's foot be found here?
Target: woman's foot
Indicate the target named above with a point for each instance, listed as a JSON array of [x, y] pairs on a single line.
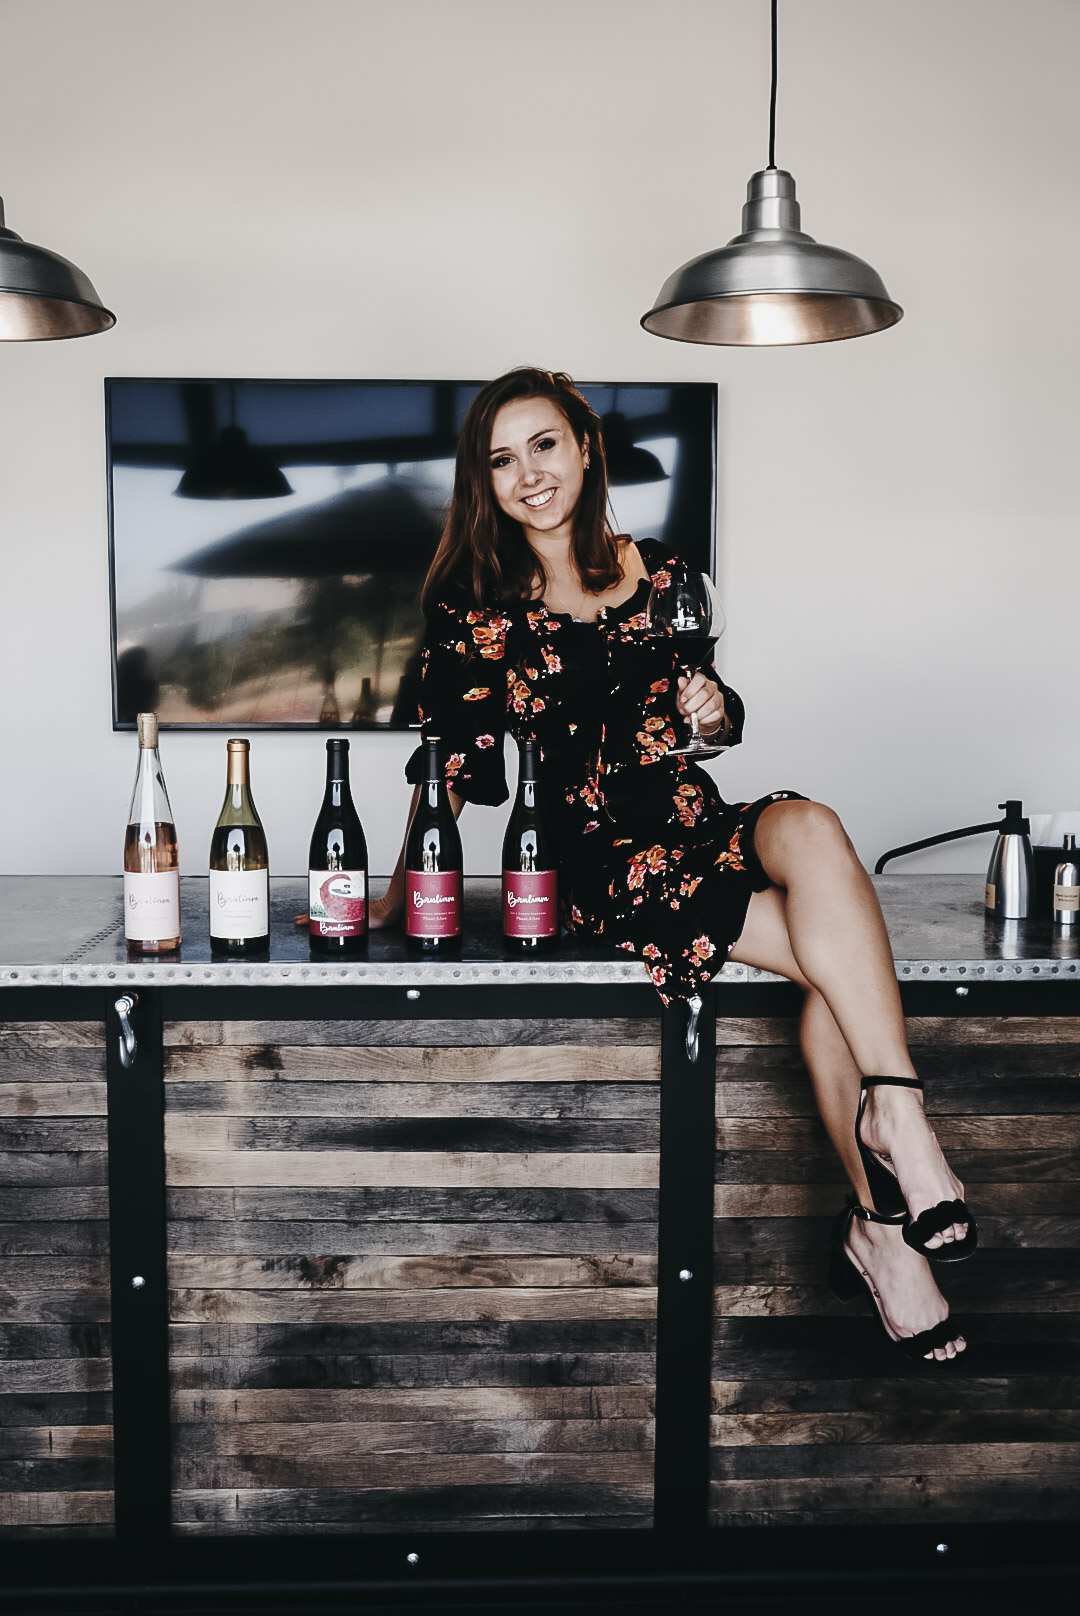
[[902, 1282], [895, 1128]]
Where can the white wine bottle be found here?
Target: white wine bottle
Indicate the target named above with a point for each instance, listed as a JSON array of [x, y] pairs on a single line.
[[239, 867], [151, 855]]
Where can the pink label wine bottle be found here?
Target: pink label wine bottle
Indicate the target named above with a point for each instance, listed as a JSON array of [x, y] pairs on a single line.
[[530, 882], [433, 864]]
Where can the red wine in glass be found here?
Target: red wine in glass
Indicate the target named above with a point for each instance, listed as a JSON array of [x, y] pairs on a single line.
[[685, 609]]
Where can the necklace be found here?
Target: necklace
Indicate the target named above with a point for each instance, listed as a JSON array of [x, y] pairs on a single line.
[[574, 614]]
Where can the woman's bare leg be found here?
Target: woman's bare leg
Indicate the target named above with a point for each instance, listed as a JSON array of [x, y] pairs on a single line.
[[838, 938], [910, 1298]]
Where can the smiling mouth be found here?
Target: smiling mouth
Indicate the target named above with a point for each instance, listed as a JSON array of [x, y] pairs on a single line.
[[537, 501]]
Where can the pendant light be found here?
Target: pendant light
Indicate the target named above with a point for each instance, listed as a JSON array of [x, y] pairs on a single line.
[[43, 296], [771, 285], [233, 468]]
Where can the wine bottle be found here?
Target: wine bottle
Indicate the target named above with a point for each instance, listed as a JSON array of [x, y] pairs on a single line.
[[337, 864], [239, 867], [151, 856], [530, 880], [433, 864]]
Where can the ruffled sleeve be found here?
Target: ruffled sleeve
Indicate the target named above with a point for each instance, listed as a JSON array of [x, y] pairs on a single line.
[[463, 699]]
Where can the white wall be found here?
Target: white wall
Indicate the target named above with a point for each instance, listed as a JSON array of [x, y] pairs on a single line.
[[424, 188]]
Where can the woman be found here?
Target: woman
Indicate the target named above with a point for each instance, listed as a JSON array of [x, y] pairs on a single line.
[[536, 623]]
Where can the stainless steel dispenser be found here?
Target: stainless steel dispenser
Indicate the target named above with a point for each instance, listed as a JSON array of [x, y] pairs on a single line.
[[1010, 879]]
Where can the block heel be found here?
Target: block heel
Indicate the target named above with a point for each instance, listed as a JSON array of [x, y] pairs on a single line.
[[888, 1198]]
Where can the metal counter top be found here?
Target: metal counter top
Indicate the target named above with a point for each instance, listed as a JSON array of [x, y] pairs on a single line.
[[67, 931]]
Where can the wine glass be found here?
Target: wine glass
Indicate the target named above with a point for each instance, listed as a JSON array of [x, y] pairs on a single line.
[[685, 608]]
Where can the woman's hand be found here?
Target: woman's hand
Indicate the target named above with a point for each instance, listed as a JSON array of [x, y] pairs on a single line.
[[701, 696]]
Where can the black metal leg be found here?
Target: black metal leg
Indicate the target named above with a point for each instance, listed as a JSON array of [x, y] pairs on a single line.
[[138, 1268], [684, 1306]]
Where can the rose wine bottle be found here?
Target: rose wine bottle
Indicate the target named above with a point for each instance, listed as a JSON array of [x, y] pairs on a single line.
[[530, 881], [337, 864], [151, 857], [433, 864], [239, 867]]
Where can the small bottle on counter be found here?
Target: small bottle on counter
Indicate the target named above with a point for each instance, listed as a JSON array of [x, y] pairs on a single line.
[[239, 867], [433, 864], [337, 864], [1011, 876], [151, 856], [1067, 886], [530, 880]]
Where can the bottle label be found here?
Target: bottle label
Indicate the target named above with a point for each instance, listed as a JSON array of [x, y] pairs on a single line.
[[337, 903], [1066, 897], [239, 903], [433, 904], [151, 906], [991, 895], [530, 903]]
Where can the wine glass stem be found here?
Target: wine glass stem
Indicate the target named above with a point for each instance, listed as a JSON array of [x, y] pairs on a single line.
[[694, 730]]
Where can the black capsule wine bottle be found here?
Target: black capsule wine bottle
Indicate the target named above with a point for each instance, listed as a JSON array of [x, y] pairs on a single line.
[[433, 864], [239, 867], [337, 865], [530, 880]]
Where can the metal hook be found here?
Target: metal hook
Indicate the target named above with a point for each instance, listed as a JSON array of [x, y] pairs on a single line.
[[693, 1005], [129, 1044]]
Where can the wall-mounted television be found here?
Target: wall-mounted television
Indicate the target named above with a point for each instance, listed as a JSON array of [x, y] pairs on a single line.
[[268, 539]]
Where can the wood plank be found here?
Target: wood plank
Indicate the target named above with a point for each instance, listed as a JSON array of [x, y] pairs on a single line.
[[309, 1273], [930, 1427], [90, 1238], [892, 1501], [65, 1441], [482, 1367], [52, 1099], [34, 1035], [381, 1064], [979, 1092], [819, 1164], [1025, 1463], [44, 1205], [544, 1033], [411, 1404], [55, 1508], [402, 1471], [551, 1169], [482, 1135], [65, 1272], [1037, 1295], [54, 1134], [1053, 1199], [59, 1475], [954, 1132], [57, 1408], [54, 1307], [431, 1239], [365, 1307], [418, 1438], [923, 1032], [577, 1100], [394, 1509], [449, 1342], [903, 1396], [48, 1064], [392, 1204], [54, 1340]]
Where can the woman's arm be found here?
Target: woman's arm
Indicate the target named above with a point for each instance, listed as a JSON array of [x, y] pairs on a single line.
[[387, 910]]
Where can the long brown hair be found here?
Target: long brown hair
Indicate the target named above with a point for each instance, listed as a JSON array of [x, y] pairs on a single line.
[[486, 550]]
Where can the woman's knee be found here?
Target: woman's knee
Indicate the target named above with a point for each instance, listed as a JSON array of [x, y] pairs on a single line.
[[786, 831]]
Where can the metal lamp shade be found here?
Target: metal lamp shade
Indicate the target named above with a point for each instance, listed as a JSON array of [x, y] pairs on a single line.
[[773, 284], [43, 296]]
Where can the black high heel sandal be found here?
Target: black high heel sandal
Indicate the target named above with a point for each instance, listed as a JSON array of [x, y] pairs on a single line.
[[888, 1198], [847, 1279]]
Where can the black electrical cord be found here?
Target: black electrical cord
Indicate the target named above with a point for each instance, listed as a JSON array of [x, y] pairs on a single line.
[[772, 95]]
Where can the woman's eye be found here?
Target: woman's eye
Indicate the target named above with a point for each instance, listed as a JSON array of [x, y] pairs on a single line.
[[546, 443], [499, 462]]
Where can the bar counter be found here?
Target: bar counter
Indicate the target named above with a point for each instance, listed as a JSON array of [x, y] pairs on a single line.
[[485, 1261]]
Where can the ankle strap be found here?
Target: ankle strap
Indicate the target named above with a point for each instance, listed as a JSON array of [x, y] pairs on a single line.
[[892, 1082], [866, 1215]]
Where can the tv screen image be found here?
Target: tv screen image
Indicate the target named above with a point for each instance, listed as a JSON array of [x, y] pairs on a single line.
[[268, 539]]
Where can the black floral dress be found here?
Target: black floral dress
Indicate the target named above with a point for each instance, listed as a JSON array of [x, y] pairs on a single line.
[[651, 858]]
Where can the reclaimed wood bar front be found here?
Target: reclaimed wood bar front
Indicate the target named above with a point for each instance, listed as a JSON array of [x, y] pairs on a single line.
[[426, 1250]]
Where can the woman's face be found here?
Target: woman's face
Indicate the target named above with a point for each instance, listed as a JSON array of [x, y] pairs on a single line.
[[537, 468]]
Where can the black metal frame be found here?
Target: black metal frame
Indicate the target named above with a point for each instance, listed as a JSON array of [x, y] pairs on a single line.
[[681, 1553]]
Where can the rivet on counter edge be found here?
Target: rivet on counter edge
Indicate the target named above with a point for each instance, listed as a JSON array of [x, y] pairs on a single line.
[[685, 1274], [961, 993], [412, 993], [414, 1559], [137, 1282], [941, 1548]]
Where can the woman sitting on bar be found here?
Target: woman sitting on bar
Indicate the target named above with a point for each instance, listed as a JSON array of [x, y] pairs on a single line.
[[536, 624]]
